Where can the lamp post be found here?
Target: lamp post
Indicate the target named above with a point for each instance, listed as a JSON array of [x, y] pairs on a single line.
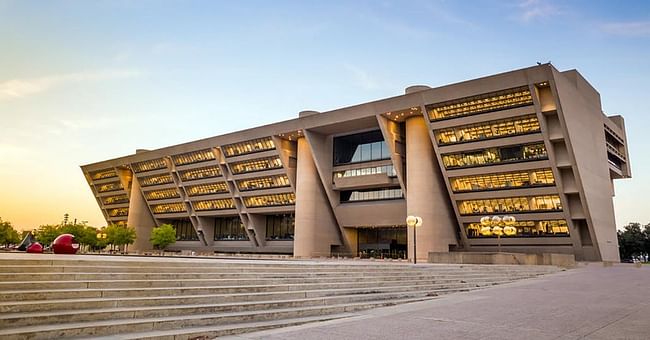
[[492, 225], [414, 221]]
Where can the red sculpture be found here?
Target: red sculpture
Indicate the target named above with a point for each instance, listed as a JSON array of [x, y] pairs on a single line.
[[35, 248], [65, 244]]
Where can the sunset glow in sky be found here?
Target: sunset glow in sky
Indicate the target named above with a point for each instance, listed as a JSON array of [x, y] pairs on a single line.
[[86, 81]]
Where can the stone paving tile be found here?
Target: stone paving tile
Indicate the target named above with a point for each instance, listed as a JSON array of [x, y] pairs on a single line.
[[590, 302]]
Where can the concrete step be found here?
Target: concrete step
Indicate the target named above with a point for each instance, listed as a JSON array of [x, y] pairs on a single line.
[[210, 332], [94, 303], [178, 282], [50, 294], [10, 320], [111, 327]]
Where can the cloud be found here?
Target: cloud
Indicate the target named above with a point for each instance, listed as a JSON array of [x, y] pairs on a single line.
[[629, 29], [531, 10], [23, 87]]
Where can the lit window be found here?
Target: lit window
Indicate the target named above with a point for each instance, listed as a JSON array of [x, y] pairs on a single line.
[[546, 228], [161, 194], [488, 130], [256, 165], [505, 180], [103, 174], [150, 165], [168, 208], [117, 212], [510, 205], [115, 199], [480, 104], [270, 200], [207, 189], [109, 187], [193, 157], [263, 183], [156, 180], [220, 204], [251, 146], [383, 169], [200, 173], [504, 154]]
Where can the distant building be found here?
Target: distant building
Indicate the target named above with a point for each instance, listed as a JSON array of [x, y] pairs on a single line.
[[531, 143]]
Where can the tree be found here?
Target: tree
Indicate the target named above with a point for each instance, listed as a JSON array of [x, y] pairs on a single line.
[[45, 234], [632, 241], [8, 235], [117, 235], [163, 236], [85, 235]]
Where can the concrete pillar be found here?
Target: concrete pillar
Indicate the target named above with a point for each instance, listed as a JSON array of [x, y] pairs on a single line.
[[316, 229], [427, 195], [140, 218]]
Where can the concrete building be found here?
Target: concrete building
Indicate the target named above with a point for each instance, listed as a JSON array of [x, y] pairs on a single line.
[[531, 143]]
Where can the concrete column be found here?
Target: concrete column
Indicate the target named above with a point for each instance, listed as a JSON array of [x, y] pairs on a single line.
[[316, 229], [140, 218], [427, 195]]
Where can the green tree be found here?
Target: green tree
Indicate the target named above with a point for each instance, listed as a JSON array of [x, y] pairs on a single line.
[[117, 235], [163, 236], [632, 241], [45, 234], [8, 235]]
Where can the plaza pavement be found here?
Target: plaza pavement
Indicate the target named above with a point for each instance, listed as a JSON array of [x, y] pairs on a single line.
[[589, 302]]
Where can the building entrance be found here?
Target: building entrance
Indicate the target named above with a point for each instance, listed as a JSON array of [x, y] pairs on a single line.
[[382, 242]]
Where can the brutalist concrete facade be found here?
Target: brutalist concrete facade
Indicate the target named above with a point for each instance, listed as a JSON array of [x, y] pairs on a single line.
[[531, 143]]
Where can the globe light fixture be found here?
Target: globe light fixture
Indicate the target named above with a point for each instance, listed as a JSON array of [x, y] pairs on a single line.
[[414, 221], [498, 226]]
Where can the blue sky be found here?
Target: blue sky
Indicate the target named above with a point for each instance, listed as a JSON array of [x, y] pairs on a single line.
[[84, 81]]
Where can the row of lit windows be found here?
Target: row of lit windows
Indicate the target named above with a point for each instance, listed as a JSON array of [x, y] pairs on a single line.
[[116, 212], [256, 165], [495, 155], [115, 199], [156, 180], [503, 180], [161, 194], [255, 145], [384, 169], [207, 189], [220, 204], [193, 157], [103, 174], [184, 230], [280, 227], [270, 200], [229, 229], [153, 164], [168, 208], [263, 183], [487, 130], [110, 187], [484, 103], [200, 173], [524, 229], [371, 195], [510, 205]]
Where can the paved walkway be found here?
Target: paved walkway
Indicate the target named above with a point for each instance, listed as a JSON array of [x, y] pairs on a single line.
[[590, 302]]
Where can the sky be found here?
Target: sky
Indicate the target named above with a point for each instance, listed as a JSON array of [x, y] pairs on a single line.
[[86, 81]]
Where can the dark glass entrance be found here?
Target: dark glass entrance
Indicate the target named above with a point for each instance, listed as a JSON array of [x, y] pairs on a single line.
[[382, 242]]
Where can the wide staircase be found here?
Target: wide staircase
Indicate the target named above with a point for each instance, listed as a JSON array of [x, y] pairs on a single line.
[[74, 296]]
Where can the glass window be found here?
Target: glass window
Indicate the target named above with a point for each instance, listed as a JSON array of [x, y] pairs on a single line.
[[168, 208], [280, 227], [256, 165], [360, 147], [507, 180], [207, 189], [193, 157], [117, 212], [156, 180], [150, 165], [488, 130], [491, 156], [220, 204], [371, 195], [200, 173], [493, 101], [263, 183], [115, 199], [510, 205], [161, 194], [102, 174], [184, 230], [545, 228], [251, 146], [270, 200], [383, 169], [109, 187], [229, 229]]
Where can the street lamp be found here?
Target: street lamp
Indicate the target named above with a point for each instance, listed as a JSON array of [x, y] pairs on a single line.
[[414, 221], [496, 225]]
